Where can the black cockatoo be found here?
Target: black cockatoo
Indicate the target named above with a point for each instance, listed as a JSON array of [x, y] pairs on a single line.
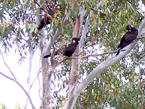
[[128, 37], [47, 19], [67, 50]]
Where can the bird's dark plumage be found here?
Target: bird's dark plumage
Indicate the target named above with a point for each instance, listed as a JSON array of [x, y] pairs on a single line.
[[68, 50], [46, 20], [128, 37], [43, 23], [54, 10]]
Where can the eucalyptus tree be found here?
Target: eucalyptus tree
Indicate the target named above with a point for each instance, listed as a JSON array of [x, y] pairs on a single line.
[[94, 77]]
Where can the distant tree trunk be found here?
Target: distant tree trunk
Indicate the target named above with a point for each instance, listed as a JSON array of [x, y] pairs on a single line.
[[46, 78], [46, 75], [75, 62]]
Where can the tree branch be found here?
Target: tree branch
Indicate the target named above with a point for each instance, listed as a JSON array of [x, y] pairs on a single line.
[[33, 107], [8, 66], [94, 55], [31, 52]]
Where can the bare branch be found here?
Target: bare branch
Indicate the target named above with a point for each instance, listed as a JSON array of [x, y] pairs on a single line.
[[60, 62], [8, 66], [31, 52], [76, 27], [39, 5], [141, 26], [94, 55], [84, 32], [35, 79], [33, 107], [142, 34], [75, 62]]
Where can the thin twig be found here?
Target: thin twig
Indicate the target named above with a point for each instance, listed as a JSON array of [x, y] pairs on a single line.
[[8, 66], [39, 5], [76, 56], [35, 79], [30, 65], [39, 88], [33, 107], [95, 55], [61, 62], [109, 52]]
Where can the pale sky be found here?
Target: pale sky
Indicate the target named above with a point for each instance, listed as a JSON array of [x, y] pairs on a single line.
[[10, 92]]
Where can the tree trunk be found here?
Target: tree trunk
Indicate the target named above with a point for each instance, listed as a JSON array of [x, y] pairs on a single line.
[[46, 75]]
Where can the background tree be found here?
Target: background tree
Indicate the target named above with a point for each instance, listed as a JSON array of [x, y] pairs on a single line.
[[93, 77]]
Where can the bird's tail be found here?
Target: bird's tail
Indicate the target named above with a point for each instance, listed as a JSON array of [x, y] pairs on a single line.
[[46, 56], [118, 52]]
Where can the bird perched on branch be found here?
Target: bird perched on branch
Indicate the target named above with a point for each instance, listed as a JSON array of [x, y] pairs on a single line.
[[68, 50], [47, 19], [128, 37]]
